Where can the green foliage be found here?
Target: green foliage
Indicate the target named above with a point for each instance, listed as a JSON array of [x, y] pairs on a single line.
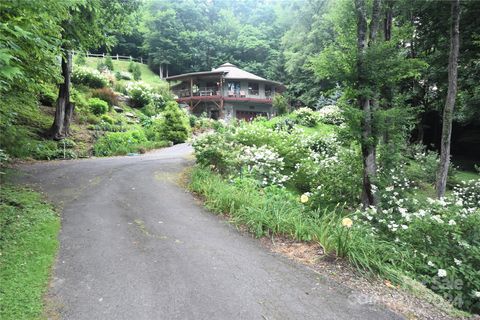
[[121, 143], [29, 37], [107, 119], [23, 127], [176, 126], [109, 63], [123, 75], [80, 58], [28, 242], [141, 94], [97, 106], [307, 117], [137, 73], [106, 94], [280, 104], [48, 96], [276, 211]]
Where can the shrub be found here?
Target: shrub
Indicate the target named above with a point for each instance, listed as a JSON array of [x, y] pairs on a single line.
[[137, 73], [141, 94], [120, 143], [280, 104], [331, 114], [92, 119], [175, 126], [109, 63], [150, 110], [78, 98], [131, 66], [123, 75], [48, 97], [106, 94], [105, 64], [215, 150], [263, 164], [97, 106], [107, 119], [89, 77], [307, 117], [444, 234], [192, 120], [81, 58]]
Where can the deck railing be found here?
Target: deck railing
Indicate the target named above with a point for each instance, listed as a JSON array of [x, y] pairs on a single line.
[[206, 91], [215, 91]]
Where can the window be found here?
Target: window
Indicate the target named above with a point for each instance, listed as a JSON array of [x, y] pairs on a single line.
[[269, 90], [253, 88], [233, 87]]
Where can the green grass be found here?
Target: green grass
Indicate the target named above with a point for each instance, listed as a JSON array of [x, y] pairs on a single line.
[[279, 212], [28, 244], [148, 75], [466, 175], [321, 128]]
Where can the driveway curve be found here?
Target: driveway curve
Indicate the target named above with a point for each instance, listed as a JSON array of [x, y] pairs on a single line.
[[135, 245]]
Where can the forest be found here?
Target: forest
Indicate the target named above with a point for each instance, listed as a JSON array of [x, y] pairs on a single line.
[[373, 153]]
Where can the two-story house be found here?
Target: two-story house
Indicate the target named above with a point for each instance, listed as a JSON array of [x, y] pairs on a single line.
[[225, 92]]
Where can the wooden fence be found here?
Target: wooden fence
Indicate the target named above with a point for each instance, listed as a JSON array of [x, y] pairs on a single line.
[[114, 57]]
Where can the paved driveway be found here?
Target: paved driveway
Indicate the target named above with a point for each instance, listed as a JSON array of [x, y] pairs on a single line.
[[135, 245]]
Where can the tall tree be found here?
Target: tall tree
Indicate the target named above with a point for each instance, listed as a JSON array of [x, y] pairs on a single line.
[[87, 25], [450, 101], [367, 98]]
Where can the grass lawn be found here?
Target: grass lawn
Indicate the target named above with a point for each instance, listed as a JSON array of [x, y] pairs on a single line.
[[28, 244], [467, 175], [148, 75]]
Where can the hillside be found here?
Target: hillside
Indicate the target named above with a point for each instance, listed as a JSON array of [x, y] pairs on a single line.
[[148, 76]]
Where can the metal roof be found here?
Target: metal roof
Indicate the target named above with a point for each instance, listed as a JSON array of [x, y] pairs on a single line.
[[229, 71]]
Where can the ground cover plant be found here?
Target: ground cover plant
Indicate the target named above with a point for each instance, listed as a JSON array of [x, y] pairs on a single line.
[[28, 244], [280, 176]]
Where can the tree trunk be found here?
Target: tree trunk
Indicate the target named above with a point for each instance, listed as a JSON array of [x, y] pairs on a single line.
[[450, 102], [61, 123], [161, 70], [387, 23], [69, 108], [366, 103]]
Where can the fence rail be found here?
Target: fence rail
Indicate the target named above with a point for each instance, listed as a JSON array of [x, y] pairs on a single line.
[[114, 57]]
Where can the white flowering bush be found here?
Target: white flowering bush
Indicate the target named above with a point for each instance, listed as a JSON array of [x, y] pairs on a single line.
[[89, 77], [307, 117], [142, 94], [217, 151], [467, 193], [443, 234], [264, 164], [331, 114], [123, 75]]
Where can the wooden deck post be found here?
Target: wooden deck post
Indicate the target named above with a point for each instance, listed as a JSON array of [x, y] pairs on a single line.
[[191, 87]]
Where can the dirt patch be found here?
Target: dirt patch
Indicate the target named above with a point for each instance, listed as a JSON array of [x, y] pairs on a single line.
[[307, 253]]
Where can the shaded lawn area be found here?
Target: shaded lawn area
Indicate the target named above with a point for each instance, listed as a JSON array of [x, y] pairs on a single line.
[[28, 244]]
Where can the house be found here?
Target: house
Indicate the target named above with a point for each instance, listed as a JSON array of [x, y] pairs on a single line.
[[225, 92]]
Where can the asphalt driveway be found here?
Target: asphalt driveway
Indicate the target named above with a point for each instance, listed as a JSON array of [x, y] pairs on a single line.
[[136, 245]]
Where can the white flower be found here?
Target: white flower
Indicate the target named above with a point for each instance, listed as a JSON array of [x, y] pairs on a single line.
[[452, 222], [476, 294], [404, 227], [430, 263], [389, 188], [402, 210], [442, 273], [457, 262]]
